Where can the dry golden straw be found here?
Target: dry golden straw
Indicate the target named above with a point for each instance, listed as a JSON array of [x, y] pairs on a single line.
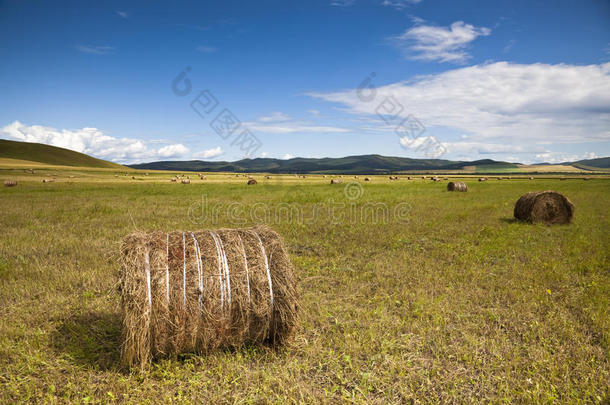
[[191, 292], [549, 207], [457, 186]]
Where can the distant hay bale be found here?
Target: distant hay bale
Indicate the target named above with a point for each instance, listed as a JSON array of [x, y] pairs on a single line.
[[252, 182], [482, 178], [202, 177], [173, 179], [10, 183], [563, 178], [367, 179], [549, 207], [531, 178], [268, 177], [133, 177], [186, 181], [116, 175], [409, 178], [324, 176], [336, 181], [48, 180], [193, 292], [457, 186]]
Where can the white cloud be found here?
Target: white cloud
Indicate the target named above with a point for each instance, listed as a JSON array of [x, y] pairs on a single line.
[[399, 4], [432, 43], [280, 123], [175, 150], [91, 141], [342, 3], [122, 14], [287, 156], [264, 154], [314, 112], [94, 50], [560, 157], [205, 49], [502, 102], [274, 117], [209, 153]]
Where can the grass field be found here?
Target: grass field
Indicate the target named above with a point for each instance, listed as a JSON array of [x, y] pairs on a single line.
[[446, 299]]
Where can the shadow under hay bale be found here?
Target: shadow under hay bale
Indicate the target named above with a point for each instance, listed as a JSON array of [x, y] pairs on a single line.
[[549, 207], [457, 186], [91, 339], [191, 292]]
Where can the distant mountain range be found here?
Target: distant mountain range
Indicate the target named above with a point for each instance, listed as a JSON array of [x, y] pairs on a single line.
[[364, 164]]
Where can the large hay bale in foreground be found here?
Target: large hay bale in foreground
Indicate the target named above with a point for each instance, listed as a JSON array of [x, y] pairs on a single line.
[[186, 292], [550, 207], [457, 186]]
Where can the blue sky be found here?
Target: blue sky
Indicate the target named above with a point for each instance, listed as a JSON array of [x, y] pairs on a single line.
[[525, 81]]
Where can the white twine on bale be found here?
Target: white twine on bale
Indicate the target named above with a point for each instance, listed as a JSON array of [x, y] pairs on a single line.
[[167, 268], [220, 278], [184, 269], [199, 267], [147, 270], [260, 242], [243, 249], [225, 264]]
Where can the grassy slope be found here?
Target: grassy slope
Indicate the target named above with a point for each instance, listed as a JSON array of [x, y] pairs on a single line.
[[459, 304], [51, 155]]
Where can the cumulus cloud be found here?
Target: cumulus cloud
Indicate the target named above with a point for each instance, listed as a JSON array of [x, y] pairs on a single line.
[[502, 102], [287, 156], [209, 153], [443, 44], [175, 150], [91, 141]]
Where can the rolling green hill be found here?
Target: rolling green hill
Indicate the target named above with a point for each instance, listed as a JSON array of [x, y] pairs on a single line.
[[364, 164], [599, 163], [52, 155]]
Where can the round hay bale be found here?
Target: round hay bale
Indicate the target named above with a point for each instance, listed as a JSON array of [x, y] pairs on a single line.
[[457, 186], [133, 177], [336, 181], [192, 292], [367, 179], [409, 178], [48, 180], [10, 183], [252, 182], [531, 178], [549, 207], [482, 178], [268, 177], [186, 181]]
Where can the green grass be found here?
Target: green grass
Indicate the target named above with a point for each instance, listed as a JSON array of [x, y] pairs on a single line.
[[459, 304], [37, 152]]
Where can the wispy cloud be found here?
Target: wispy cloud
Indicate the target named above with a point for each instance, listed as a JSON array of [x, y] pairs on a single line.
[[205, 49], [500, 103], [122, 14], [209, 153], [94, 50], [342, 3], [399, 4], [443, 44], [280, 123], [509, 46]]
